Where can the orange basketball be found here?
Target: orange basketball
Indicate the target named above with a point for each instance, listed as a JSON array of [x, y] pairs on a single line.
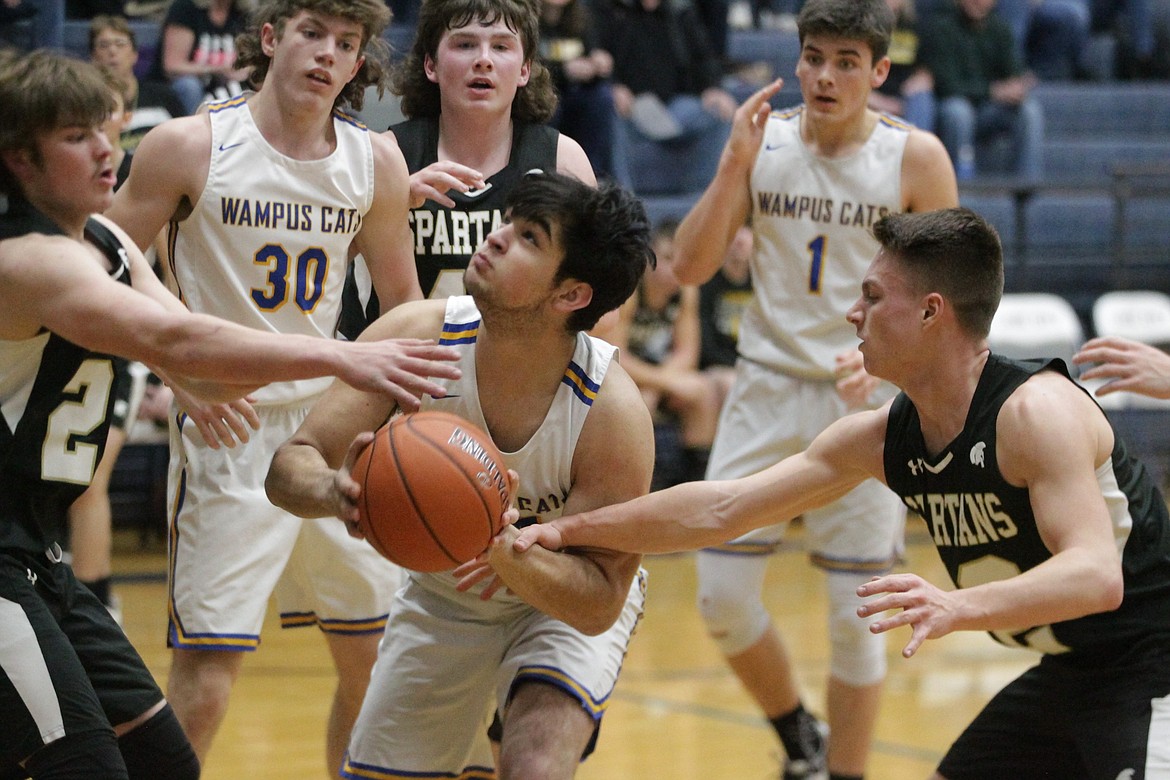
[[434, 487]]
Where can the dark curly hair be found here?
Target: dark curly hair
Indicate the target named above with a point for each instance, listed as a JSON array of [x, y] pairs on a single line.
[[605, 233], [371, 15], [534, 102]]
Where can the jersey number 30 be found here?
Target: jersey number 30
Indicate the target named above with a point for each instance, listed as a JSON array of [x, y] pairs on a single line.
[[307, 282]]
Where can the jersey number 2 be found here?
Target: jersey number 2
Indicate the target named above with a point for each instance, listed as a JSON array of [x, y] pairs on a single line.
[[63, 457]]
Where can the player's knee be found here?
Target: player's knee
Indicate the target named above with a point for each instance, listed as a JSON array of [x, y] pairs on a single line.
[[159, 748], [734, 620], [858, 656], [90, 754]]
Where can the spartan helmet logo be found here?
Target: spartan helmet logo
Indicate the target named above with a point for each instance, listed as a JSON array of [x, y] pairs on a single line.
[[977, 454]]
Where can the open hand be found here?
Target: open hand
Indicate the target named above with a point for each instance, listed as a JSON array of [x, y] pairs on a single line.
[[928, 610]]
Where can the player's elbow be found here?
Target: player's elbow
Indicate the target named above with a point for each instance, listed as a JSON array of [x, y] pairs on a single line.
[[1102, 584], [597, 622], [689, 269], [1111, 590]]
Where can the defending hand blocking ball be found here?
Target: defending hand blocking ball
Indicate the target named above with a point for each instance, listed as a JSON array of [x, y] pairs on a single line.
[[434, 490]]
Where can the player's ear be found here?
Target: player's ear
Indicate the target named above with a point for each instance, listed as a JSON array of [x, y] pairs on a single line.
[[17, 161], [525, 73], [429, 68], [932, 307], [267, 38], [357, 66], [881, 71], [573, 295]]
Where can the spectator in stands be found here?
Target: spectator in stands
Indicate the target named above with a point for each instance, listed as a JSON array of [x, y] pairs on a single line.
[[1132, 22], [197, 50], [657, 336], [112, 46], [1051, 36], [580, 72], [46, 18], [12, 11], [982, 89], [673, 115], [713, 15], [88, 9], [908, 91], [722, 301]]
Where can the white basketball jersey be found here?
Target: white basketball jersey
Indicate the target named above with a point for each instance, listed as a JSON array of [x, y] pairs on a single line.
[[812, 218], [545, 462], [268, 242]]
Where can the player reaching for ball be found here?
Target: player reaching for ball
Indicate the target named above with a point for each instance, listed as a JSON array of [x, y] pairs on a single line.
[[263, 197], [570, 422]]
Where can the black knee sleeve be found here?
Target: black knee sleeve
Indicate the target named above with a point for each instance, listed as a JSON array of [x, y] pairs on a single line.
[[88, 754], [159, 748]]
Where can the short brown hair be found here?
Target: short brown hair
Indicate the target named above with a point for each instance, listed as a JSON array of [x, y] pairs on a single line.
[[871, 21], [954, 252], [41, 92]]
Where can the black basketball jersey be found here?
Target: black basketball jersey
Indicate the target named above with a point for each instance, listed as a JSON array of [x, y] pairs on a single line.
[[445, 239], [984, 529], [55, 404], [722, 303]]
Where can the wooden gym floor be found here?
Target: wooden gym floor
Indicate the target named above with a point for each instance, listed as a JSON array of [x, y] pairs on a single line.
[[677, 711]]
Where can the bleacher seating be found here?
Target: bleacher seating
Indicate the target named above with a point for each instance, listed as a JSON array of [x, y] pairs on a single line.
[[1030, 325]]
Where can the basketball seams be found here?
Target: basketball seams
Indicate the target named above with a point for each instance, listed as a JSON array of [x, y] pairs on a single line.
[[412, 474], [440, 447], [371, 529], [409, 490]]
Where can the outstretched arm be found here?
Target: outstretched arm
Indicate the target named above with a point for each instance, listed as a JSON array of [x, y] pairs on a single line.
[[1128, 365], [701, 514], [54, 283]]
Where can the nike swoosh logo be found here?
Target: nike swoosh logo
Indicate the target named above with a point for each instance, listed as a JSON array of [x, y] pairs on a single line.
[[477, 193], [223, 148], [772, 147]]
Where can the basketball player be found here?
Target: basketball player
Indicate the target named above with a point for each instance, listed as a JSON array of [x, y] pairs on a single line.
[[813, 180], [1128, 365], [476, 95], [570, 421], [1055, 536], [90, 517], [76, 701], [265, 195]]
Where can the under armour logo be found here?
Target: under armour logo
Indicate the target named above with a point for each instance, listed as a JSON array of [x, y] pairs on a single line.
[[915, 464], [32, 576], [977, 454]]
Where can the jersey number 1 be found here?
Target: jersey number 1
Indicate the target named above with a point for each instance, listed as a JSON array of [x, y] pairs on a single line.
[[816, 270]]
